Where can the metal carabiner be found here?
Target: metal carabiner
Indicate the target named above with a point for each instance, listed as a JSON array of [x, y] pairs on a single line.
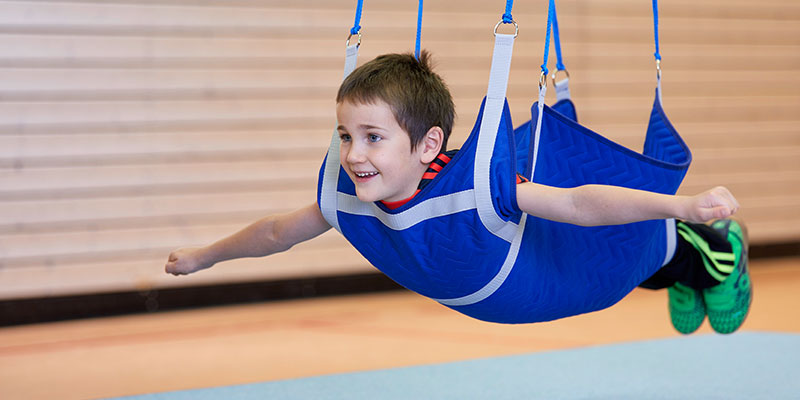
[[350, 36], [542, 80], [516, 27], [658, 69], [553, 77]]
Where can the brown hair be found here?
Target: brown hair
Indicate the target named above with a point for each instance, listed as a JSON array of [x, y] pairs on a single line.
[[417, 96]]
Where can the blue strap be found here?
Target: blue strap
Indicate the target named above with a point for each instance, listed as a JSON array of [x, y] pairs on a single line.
[[356, 27], [419, 31], [552, 25], [557, 41], [550, 14], [655, 28], [507, 18]]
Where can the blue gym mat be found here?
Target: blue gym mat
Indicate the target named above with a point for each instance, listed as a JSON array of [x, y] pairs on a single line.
[[745, 365]]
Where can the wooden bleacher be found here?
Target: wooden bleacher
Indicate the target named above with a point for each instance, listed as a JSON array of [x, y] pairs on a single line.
[[130, 128]]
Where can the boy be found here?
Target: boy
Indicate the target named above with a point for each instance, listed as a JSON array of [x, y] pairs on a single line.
[[395, 116]]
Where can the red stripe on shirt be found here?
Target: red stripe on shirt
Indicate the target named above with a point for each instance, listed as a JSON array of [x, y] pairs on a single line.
[[433, 170], [392, 205]]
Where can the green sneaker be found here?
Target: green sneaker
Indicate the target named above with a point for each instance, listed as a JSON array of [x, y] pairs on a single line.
[[728, 303], [686, 308]]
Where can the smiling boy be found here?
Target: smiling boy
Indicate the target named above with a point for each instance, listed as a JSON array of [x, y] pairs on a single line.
[[394, 119], [377, 153]]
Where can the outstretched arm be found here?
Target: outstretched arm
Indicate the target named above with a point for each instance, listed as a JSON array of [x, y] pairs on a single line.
[[593, 205], [269, 235]]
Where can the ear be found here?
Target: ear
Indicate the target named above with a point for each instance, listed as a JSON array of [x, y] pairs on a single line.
[[431, 145]]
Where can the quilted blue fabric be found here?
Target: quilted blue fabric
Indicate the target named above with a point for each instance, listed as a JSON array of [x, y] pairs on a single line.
[[561, 269], [523, 139]]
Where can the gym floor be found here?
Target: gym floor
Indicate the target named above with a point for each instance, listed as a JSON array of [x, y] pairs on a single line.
[[117, 356]]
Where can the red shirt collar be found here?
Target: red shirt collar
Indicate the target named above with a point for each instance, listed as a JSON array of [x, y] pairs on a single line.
[[393, 205]]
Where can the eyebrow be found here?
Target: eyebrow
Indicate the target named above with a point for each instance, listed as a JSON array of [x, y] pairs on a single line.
[[362, 126]]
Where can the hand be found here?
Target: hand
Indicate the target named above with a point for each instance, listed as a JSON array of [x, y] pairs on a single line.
[[712, 204], [186, 261]]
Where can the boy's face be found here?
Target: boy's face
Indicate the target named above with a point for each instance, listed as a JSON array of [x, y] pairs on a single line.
[[376, 152]]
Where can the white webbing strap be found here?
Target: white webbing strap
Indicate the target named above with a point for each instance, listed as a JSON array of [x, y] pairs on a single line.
[[497, 281], [542, 91], [672, 240], [330, 180], [434, 207], [658, 87], [350, 58], [492, 112], [562, 89]]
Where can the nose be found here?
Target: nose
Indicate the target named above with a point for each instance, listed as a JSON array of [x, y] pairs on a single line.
[[354, 153]]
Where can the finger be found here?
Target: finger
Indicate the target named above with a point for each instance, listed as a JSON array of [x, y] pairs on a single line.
[[722, 212], [731, 198]]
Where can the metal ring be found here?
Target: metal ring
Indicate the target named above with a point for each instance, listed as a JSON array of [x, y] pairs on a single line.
[[553, 77], [350, 36], [542, 80], [516, 27], [658, 69]]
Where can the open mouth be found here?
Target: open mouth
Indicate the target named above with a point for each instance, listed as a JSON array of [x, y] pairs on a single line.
[[364, 176]]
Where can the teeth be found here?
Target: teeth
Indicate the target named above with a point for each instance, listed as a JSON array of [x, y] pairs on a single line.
[[365, 174]]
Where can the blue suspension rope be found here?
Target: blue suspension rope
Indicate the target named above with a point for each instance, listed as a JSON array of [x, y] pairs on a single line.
[[655, 29], [507, 18], [356, 27], [419, 31], [557, 41], [552, 26], [550, 14]]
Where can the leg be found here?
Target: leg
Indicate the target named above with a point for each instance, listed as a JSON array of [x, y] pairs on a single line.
[[704, 275], [691, 266]]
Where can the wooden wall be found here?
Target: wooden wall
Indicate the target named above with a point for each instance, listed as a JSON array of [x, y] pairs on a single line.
[[130, 128]]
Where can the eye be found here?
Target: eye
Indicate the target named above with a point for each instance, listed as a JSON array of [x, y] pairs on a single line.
[[374, 138], [345, 137]]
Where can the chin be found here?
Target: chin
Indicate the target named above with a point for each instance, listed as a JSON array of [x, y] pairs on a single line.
[[366, 197]]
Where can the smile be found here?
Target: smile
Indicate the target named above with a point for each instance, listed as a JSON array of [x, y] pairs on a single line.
[[365, 174]]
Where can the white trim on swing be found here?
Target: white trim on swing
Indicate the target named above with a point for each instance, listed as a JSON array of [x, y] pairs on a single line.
[[431, 208], [672, 240], [537, 132], [499, 279], [487, 136], [428, 209], [330, 180], [658, 88], [562, 90]]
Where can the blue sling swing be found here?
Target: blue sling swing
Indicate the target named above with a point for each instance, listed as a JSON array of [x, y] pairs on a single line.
[[464, 242]]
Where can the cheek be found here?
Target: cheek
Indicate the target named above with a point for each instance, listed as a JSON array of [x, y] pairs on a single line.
[[383, 161], [396, 159]]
